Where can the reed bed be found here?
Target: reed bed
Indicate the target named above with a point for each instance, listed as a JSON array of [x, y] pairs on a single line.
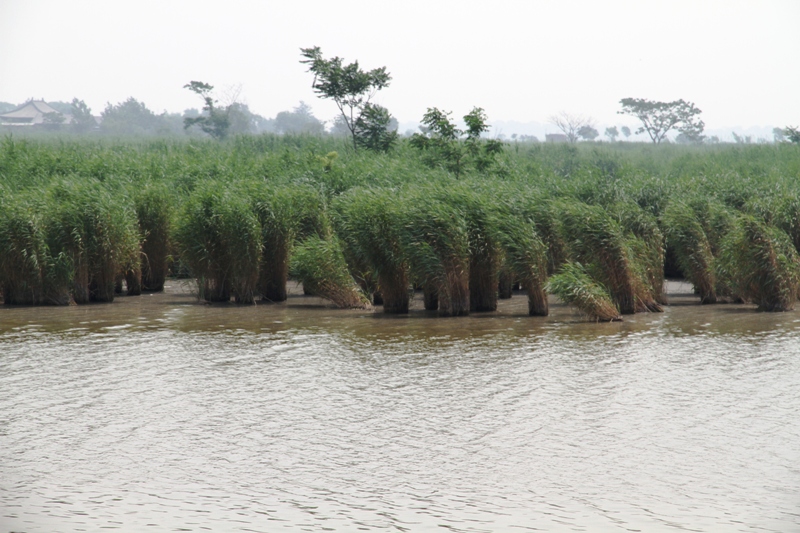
[[77, 216]]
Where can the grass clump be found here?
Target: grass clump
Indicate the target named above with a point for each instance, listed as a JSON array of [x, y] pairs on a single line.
[[95, 232], [219, 238], [367, 221], [285, 212], [320, 265], [154, 212], [573, 285], [761, 264], [435, 240]]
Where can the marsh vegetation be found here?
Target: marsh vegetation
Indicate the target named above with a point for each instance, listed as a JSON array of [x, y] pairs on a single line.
[[597, 225]]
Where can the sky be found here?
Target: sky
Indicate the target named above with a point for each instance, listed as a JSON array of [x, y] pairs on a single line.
[[521, 61]]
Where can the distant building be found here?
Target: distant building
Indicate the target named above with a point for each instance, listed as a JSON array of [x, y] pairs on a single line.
[[555, 138], [34, 113]]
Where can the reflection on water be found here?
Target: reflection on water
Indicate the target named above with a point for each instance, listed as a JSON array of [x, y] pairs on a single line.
[[162, 413]]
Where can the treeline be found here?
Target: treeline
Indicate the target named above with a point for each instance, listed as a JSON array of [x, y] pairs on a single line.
[[132, 118], [599, 226]]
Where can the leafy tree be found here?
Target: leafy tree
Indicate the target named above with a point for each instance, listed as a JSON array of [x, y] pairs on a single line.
[[588, 133], [373, 129], [778, 135], [350, 88], [5, 107], [626, 131], [454, 148], [214, 121], [82, 119], [612, 133], [571, 124], [298, 121], [130, 117], [658, 118], [793, 134]]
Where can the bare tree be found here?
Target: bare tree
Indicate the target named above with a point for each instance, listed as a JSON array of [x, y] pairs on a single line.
[[571, 124]]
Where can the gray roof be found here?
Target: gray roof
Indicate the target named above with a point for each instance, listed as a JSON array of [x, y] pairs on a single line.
[[31, 112]]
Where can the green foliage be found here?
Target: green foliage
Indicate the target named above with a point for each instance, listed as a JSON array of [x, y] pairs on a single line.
[[350, 88], [761, 264], [82, 119], [575, 286], [658, 118], [792, 134], [320, 265], [372, 129], [219, 239], [454, 149], [367, 221], [215, 121]]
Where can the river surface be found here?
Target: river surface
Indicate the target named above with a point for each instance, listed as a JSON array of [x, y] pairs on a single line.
[[159, 413]]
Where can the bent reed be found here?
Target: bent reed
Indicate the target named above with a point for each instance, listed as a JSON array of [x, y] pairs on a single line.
[[593, 224]]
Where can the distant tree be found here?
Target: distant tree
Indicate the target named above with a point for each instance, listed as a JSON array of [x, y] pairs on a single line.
[[571, 124], [298, 121], [793, 134], [713, 140], [350, 88], [588, 133], [778, 135], [130, 117], [612, 133], [742, 139], [213, 121], [455, 149], [82, 119], [5, 107], [373, 129], [339, 127], [658, 118], [626, 131]]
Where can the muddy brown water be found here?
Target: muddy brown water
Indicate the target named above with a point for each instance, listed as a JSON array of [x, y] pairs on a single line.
[[162, 413]]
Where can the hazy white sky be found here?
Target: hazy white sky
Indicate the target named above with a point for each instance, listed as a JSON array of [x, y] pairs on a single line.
[[519, 60]]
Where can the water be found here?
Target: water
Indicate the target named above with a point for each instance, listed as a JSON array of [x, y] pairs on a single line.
[[160, 413]]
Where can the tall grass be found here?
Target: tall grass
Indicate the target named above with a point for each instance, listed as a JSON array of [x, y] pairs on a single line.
[[434, 236], [219, 238], [320, 265], [367, 221], [761, 264]]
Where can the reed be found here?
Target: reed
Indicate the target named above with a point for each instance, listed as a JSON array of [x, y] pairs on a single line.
[[320, 265], [595, 238], [435, 240], [575, 286], [285, 213], [94, 232], [761, 264], [525, 257], [367, 222], [219, 238], [154, 212]]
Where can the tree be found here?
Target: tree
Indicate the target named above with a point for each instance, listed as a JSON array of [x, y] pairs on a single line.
[[571, 124], [612, 133], [298, 121], [455, 149], [82, 119], [626, 131], [658, 118], [588, 133], [793, 134], [214, 121], [350, 88], [373, 129], [130, 117]]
